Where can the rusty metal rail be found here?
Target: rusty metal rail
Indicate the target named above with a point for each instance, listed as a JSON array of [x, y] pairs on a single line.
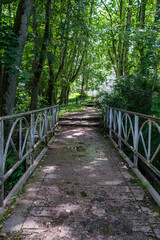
[[27, 131], [138, 133]]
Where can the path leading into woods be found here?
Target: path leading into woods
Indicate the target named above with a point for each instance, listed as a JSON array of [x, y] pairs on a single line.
[[82, 190]]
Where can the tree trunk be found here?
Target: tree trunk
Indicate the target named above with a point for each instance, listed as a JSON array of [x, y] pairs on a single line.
[[39, 69], [156, 28], [62, 95], [82, 86], [75, 75], [52, 84], [63, 56], [143, 13], [35, 48], [142, 57], [9, 80], [138, 18], [114, 58], [120, 57], [66, 96], [126, 41], [80, 65]]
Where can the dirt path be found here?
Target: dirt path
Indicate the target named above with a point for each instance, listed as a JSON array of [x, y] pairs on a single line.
[[82, 191]]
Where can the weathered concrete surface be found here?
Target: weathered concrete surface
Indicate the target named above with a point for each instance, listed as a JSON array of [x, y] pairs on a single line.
[[89, 118], [82, 191]]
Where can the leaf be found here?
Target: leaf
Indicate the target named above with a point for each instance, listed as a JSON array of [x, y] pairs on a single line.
[[68, 211], [48, 223]]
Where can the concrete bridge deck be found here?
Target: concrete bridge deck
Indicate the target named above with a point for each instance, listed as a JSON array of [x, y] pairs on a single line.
[[82, 190]]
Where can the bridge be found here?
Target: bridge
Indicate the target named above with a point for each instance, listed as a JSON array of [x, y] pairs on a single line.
[[83, 187]]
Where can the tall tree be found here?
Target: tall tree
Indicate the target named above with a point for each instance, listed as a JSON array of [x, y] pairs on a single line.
[[63, 48], [40, 63], [10, 74], [127, 40], [142, 25], [74, 72]]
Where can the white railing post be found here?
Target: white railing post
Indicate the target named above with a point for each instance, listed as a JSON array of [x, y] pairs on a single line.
[[32, 136], [46, 125], [20, 139], [53, 119], [110, 122], [57, 114], [149, 141], [1, 163], [29, 139], [119, 129], [105, 112], [136, 130]]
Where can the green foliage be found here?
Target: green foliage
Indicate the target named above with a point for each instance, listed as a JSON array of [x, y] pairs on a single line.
[[14, 178], [156, 105], [72, 106], [134, 93], [16, 175], [130, 93], [107, 36], [8, 47]]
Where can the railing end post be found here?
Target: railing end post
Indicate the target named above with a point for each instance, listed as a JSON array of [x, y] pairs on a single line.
[[136, 133], [135, 160], [105, 112], [1, 163], [119, 129], [110, 122], [1, 190]]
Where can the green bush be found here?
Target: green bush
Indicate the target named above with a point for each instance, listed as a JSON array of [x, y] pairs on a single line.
[[130, 93]]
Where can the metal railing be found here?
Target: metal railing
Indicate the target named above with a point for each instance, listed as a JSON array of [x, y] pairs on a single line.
[[26, 131], [139, 132]]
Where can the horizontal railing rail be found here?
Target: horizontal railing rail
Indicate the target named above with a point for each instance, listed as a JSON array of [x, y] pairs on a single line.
[[21, 134], [140, 133], [137, 114]]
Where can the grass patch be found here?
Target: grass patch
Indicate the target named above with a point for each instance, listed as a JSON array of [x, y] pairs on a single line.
[[4, 216], [73, 106], [64, 109]]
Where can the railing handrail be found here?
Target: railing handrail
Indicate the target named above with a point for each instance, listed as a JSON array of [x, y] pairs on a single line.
[[124, 127], [30, 132], [26, 113], [136, 114], [136, 131]]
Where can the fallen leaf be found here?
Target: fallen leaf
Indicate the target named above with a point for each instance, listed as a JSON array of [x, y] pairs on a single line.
[[68, 211], [83, 193], [48, 223], [3, 234]]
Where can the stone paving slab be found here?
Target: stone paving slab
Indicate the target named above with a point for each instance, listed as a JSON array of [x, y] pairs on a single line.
[[79, 123], [82, 191], [86, 118], [81, 117]]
